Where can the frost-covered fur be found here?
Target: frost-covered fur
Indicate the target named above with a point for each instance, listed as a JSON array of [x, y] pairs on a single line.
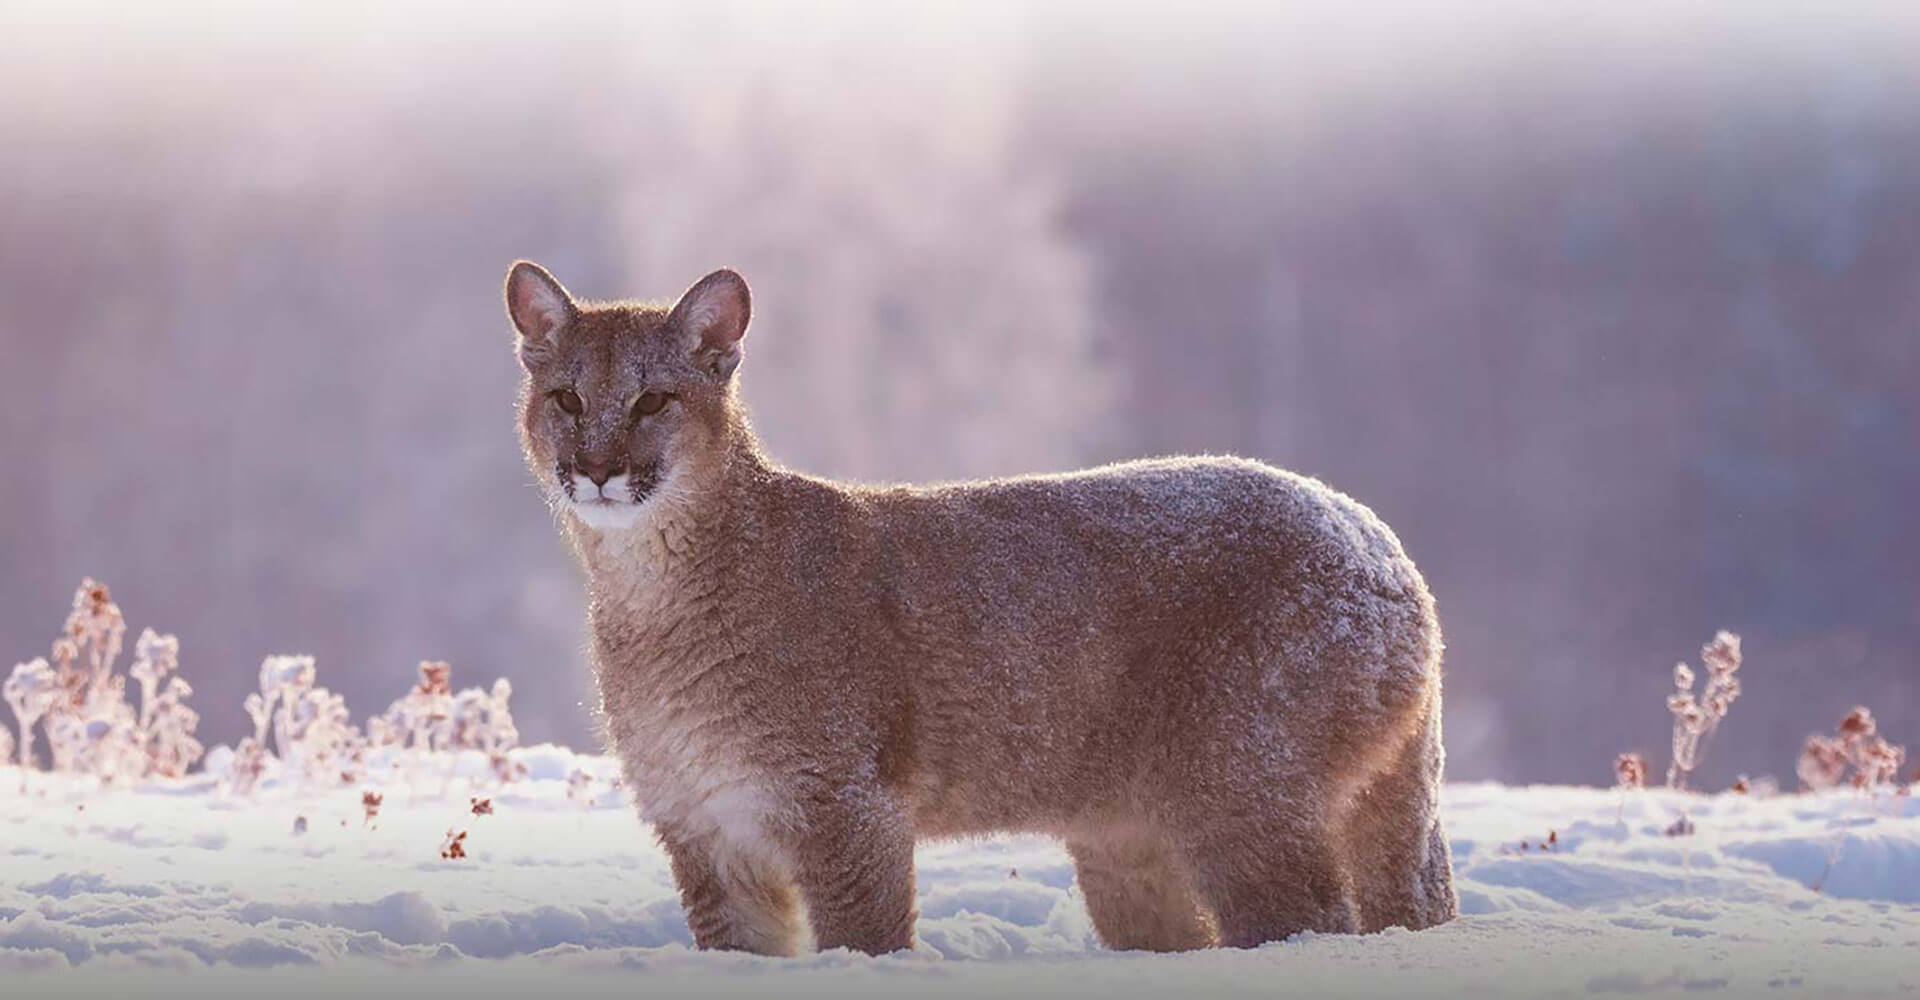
[[1218, 682]]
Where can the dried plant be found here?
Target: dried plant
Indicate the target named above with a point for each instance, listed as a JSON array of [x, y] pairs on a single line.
[[1695, 720], [315, 739], [422, 719], [370, 805], [249, 766], [1823, 763], [89, 728], [483, 721], [326, 748], [1551, 843], [312, 728], [166, 724], [454, 846], [1858, 755], [89, 642], [102, 742], [154, 657], [75, 697], [480, 807], [1876, 762], [1629, 775], [580, 788], [31, 691], [284, 681], [1630, 771], [506, 769], [82, 705]]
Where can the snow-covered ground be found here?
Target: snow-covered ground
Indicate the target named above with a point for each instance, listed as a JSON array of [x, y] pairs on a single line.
[[177, 887]]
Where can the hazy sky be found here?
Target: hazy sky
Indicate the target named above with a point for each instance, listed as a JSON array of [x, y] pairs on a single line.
[[1609, 311]]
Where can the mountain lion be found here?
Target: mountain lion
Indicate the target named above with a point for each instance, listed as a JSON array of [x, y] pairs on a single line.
[[1217, 682]]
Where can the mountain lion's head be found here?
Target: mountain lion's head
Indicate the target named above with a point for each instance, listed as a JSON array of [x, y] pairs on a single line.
[[624, 402]]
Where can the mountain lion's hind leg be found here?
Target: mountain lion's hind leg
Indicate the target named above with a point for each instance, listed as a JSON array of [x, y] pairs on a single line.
[[1402, 871], [1137, 892], [1271, 873]]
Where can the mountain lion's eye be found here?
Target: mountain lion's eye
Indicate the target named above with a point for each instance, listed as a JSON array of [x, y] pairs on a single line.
[[649, 403], [569, 401]]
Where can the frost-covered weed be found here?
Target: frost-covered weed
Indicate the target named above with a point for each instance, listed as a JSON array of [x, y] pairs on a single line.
[[312, 729], [1694, 720], [1858, 755], [317, 745], [301, 730], [329, 749], [1630, 771], [1855, 754], [277, 707], [166, 724], [31, 691], [89, 725], [81, 703], [1629, 775], [431, 718], [422, 719], [580, 788], [1545, 845], [482, 721]]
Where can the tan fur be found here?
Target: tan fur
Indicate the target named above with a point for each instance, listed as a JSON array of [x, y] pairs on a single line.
[[1217, 682]]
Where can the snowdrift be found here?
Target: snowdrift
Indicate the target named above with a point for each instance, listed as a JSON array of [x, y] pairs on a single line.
[[176, 885]]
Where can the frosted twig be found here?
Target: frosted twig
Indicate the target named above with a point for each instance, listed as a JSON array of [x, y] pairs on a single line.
[[1858, 748]]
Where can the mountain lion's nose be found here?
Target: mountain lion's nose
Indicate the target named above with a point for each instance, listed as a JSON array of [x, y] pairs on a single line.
[[597, 469]]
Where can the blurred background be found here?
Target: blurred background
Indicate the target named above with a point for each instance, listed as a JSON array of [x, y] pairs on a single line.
[[1611, 313]]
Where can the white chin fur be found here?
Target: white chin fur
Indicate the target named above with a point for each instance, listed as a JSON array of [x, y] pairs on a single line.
[[606, 515], [604, 508]]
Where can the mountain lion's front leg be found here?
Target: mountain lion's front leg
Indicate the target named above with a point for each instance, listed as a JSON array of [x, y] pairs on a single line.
[[736, 898], [856, 870]]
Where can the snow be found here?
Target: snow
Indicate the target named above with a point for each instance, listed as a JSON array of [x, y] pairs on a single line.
[[176, 884]]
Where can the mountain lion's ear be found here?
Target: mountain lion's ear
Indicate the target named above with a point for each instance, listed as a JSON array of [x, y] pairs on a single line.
[[712, 317], [539, 307]]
